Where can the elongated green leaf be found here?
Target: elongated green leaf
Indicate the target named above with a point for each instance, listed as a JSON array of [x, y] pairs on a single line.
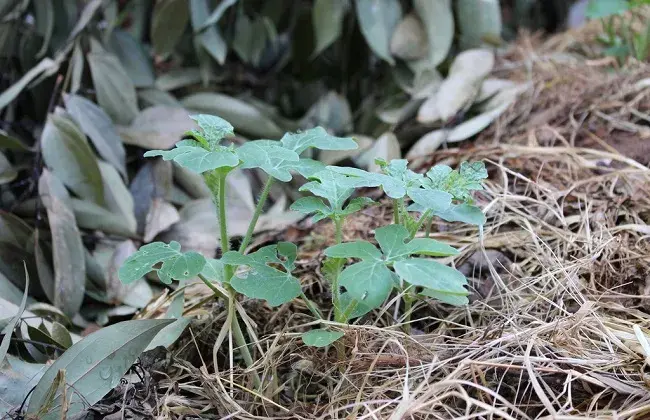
[[47, 66], [115, 90], [175, 265], [359, 309], [208, 36], [327, 17], [67, 248], [190, 155], [378, 19], [369, 282], [9, 291], [133, 57], [99, 127], [9, 142], [263, 281], [44, 21], [319, 138], [217, 13], [168, 23], [91, 216], [117, 197], [321, 338], [67, 153], [95, 365], [438, 20], [432, 275], [8, 330], [478, 20], [17, 378], [268, 156]]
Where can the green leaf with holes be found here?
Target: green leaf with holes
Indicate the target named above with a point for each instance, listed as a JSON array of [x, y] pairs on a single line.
[[264, 280], [321, 338], [269, 156], [319, 138], [191, 155], [166, 260]]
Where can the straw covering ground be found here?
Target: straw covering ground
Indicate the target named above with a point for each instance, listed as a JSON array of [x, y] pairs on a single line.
[[558, 323]]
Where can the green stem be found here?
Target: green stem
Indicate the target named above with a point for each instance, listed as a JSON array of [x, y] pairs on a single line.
[[223, 226], [310, 305], [408, 304], [336, 290], [396, 211], [427, 232], [256, 215], [237, 333], [421, 221], [338, 223], [348, 311]]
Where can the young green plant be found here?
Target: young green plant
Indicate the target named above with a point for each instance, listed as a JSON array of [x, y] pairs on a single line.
[[205, 154]]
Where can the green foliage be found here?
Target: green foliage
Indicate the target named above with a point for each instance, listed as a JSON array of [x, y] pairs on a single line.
[[269, 156], [191, 155], [166, 260], [321, 338], [597, 9], [371, 281], [318, 138], [263, 281], [458, 183]]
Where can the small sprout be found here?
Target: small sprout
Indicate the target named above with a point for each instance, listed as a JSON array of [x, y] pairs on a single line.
[[458, 183]]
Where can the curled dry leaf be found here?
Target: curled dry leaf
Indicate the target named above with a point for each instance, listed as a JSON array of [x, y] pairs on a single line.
[[157, 127], [409, 41]]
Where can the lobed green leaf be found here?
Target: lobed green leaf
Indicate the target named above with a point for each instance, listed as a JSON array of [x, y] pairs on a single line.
[[269, 156], [214, 128], [174, 264], [191, 155], [458, 183], [368, 282]]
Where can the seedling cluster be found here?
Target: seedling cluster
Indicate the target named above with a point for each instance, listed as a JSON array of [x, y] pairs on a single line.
[[401, 261]]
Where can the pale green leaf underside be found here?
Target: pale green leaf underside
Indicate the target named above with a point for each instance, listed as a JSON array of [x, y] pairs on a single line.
[[197, 159], [319, 138], [434, 200], [449, 298], [329, 185], [321, 338], [432, 275], [355, 178], [175, 264]]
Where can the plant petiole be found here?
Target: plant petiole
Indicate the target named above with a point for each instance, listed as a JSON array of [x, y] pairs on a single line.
[[258, 211]]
